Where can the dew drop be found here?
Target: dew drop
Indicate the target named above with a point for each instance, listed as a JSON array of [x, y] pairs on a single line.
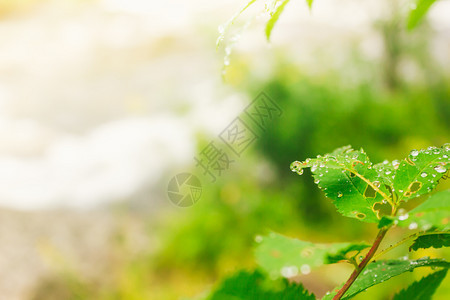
[[316, 181], [289, 271], [376, 183], [413, 226], [414, 153], [385, 162], [305, 269], [295, 166], [440, 169], [387, 172], [340, 194], [423, 174], [300, 171], [403, 217]]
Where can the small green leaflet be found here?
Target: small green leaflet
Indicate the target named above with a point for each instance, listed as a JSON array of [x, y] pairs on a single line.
[[433, 213], [310, 2], [437, 240], [275, 16], [254, 286], [422, 289], [380, 271], [418, 11], [347, 253], [349, 179], [421, 171], [279, 255]]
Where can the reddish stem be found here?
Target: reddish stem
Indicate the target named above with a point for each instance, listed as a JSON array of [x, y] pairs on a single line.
[[362, 265]]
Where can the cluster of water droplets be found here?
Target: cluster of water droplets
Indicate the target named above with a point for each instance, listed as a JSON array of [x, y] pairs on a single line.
[[435, 170], [292, 271], [297, 167]]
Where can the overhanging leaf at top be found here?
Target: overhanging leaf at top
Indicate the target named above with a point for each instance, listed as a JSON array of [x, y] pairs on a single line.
[[275, 15], [224, 27], [347, 177], [418, 12]]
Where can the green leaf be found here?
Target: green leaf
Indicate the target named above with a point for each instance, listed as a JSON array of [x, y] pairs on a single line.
[[433, 213], [347, 253], [274, 17], [349, 179], [422, 289], [224, 27], [380, 271], [421, 171], [279, 255], [418, 11], [310, 2], [437, 240], [248, 286]]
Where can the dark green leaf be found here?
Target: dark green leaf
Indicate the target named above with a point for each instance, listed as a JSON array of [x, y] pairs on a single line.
[[279, 255], [438, 240], [418, 11], [274, 17], [386, 221], [423, 289], [421, 171], [380, 271], [249, 286]]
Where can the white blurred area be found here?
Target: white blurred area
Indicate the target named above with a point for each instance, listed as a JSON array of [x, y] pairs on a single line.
[[100, 100]]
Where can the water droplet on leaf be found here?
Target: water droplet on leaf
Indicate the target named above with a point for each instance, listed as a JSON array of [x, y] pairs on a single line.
[[440, 169], [414, 153]]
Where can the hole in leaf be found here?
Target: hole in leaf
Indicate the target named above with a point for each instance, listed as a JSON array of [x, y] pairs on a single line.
[[415, 186], [352, 175], [360, 216], [370, 192], [381, 209]]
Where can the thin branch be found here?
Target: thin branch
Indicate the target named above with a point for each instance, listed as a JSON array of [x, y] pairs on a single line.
[[362, 265]]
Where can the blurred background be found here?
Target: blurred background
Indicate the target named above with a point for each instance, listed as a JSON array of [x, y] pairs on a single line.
[[102, 102]]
